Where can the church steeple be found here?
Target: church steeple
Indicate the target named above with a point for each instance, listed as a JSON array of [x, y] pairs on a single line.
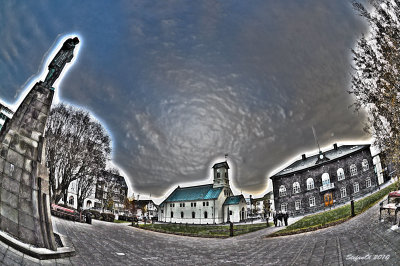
[[221, 178]]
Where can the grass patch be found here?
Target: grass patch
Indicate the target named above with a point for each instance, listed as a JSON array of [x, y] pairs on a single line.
[[120, 222], [335, 216], [203, 230]]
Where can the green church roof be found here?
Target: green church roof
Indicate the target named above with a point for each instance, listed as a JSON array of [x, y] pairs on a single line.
[[233, 200], [203, 192]]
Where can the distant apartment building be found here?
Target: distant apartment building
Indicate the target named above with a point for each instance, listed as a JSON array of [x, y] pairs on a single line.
[[111, 192], [5, 114], [146, 208], [108, 194], [323, 180]]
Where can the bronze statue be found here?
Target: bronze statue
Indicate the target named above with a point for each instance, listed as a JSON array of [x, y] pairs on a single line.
[[63, 56]]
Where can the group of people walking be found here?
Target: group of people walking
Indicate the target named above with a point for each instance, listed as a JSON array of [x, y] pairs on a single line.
[[279, 218]]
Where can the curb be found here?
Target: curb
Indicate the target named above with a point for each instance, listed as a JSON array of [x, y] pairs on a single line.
[[39, 253]]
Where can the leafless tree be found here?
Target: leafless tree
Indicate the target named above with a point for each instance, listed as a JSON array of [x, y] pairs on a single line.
[[78, 148]]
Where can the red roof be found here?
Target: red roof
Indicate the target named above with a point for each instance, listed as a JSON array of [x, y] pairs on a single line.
[[394, 194]]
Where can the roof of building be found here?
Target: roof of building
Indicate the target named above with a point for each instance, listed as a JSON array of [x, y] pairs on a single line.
[[114, 177], [233, 200], [203, 192], [330, 155], [220, 165]]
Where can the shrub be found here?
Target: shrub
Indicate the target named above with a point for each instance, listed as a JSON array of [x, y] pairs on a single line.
[[95, 214], [108, 217]]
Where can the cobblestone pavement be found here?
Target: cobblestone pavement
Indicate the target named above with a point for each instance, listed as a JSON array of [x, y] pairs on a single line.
[[359, 241]]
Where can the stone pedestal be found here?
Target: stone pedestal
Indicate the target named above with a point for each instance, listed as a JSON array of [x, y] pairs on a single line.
[[24, 181]]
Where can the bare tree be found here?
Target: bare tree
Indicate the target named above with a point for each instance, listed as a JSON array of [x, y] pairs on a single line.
[[78, 148], [376, 76]]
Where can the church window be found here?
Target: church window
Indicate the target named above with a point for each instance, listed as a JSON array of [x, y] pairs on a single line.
[[181, 214], [282, 191], [193, 204], [206, 215], [296, 187], [172, 214], [218, 174], [230, 212], [340, 174], [356, 187], [207, 203], [365, 165], [343, 192], [204, 203], [193, 215], [310, 183], [312, 201], [297, 205], [284, 207], [88, 204], [353, 169], [368, 182]]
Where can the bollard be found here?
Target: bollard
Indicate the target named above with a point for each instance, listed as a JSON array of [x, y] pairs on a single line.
[[230, 229], [352, 208]]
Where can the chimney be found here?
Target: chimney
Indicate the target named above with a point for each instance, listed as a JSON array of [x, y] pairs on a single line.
[[303, 157], [335, 146]]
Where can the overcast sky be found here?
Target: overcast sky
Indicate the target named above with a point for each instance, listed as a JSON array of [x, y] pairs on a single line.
[[180, 83]]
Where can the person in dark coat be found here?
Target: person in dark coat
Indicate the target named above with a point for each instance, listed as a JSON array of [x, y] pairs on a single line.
[[275, 219], [285, 218]]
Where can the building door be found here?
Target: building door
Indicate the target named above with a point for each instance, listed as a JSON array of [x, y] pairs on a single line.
[[328, 199]]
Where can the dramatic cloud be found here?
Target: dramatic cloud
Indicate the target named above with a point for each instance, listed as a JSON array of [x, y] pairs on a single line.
[[179, 84]]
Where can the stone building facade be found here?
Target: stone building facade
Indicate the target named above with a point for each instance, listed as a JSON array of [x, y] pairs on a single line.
[[324, 180]]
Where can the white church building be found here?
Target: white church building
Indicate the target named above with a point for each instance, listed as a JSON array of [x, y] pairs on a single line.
[[205, 204]]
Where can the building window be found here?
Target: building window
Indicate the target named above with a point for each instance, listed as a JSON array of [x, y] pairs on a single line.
[[297, 205], [88, 204], [296, 187], [368, 182], [226, 174], [310, 183], [207, 203], [193, 204], [230, 212], [172, 214], [325, 179], [218, 175], [284, 207], [71, 200], [340, 174], [282, 191], [356, 187], [312, 201], [193, 215], [170, 205], [343, 192], [204, 204], [181, 214], [182, 204], [353, 169], [206, 215], [365, 165]]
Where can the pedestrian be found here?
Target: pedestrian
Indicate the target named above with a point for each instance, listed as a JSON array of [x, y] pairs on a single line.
[[285, 218], [280, 218], [275, 219]]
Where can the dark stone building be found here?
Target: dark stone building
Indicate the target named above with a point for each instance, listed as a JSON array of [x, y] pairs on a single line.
[[324, 180]]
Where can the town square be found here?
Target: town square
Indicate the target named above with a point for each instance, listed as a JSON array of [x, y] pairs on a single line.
[[200, 133]]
